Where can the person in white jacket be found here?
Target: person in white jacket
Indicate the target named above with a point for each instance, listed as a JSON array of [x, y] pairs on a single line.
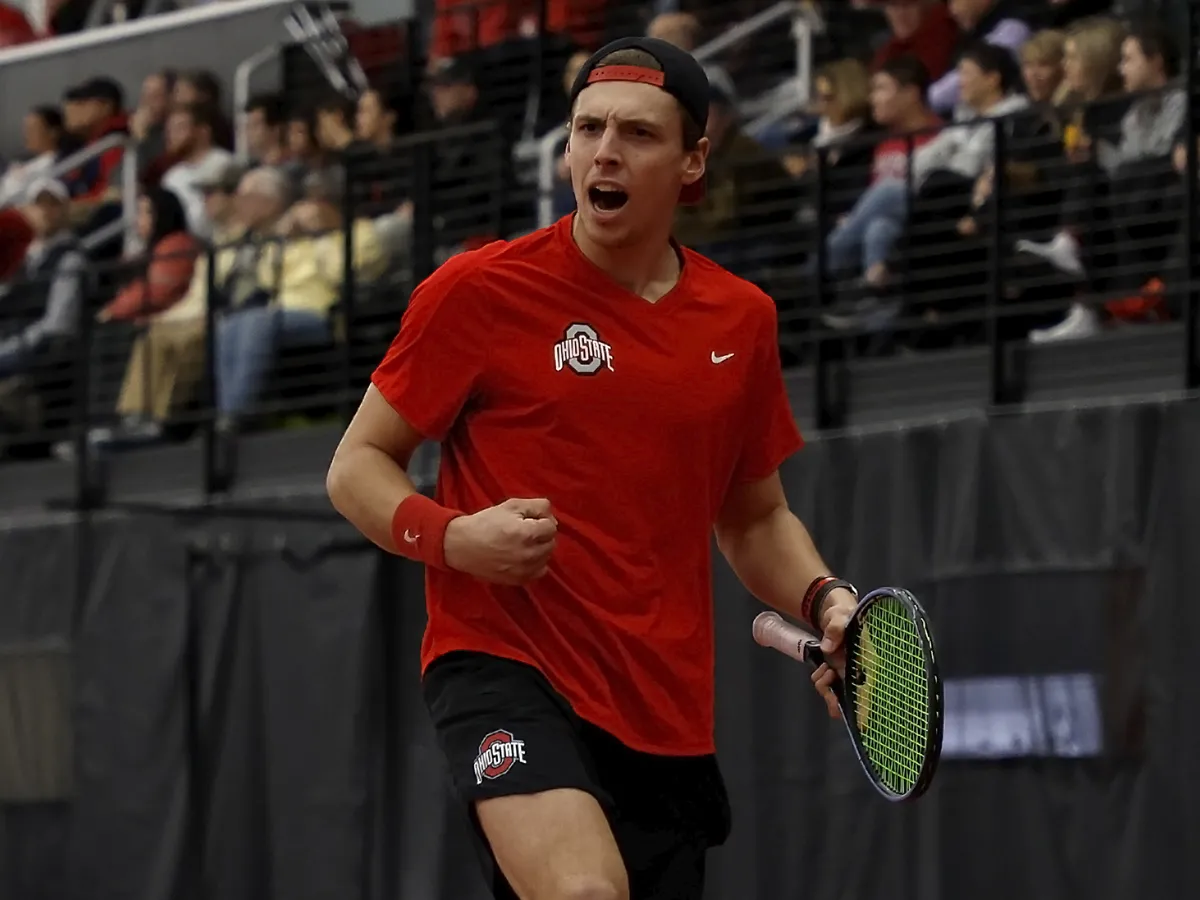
[[962, 152]]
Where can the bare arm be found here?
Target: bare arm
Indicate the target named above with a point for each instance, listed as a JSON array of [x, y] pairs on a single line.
[[771, 551], [368, 476], [773, 555]]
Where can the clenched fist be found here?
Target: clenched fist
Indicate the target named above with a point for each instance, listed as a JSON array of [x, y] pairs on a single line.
[[507, 544]]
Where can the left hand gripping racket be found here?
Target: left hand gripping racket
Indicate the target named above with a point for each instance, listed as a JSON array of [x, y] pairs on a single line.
[[891, 694]]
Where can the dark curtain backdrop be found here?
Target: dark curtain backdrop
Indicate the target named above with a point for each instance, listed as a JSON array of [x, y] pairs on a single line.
[[246, 725]]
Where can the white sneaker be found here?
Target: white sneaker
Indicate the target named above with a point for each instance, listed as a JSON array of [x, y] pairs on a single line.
[[1062, 252], [1081, 322]]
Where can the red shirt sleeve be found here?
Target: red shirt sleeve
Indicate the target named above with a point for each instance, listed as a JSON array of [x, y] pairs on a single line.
[[437, 359], [166, 280], [771, 434]]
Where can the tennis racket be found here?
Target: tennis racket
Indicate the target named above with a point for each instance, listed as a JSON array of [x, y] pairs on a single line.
[[891, 695]]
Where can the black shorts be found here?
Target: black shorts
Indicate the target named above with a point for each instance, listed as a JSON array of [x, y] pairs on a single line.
[[504, 730]]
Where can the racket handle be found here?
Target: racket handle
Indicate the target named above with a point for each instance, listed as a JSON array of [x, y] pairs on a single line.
[[770, 630]]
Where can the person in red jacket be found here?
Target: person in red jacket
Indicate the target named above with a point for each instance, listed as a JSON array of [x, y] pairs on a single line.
[[920, 28]]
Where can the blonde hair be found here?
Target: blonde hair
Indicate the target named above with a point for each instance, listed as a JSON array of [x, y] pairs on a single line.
[[1098, 42], [851, 83], [1044, 47]]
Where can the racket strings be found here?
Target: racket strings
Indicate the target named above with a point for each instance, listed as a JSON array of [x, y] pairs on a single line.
[[889, 684]]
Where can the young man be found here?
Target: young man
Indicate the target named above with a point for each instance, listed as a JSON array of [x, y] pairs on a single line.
[[604, 399]]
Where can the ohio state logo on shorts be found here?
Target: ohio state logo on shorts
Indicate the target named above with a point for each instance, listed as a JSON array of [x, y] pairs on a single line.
[[498, 752]]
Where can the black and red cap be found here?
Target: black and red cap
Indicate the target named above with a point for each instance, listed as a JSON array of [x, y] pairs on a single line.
[[680, 75]]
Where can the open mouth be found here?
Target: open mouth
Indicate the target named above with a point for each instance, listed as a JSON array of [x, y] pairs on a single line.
[[607, 199]]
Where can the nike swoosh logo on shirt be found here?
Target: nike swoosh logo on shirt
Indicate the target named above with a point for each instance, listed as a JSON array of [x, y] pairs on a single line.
[[717, 360]]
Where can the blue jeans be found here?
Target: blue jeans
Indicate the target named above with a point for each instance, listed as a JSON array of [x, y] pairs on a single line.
[[871, 229], [247, 341]]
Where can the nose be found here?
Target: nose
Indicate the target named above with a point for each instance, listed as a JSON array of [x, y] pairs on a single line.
[[608, 148]]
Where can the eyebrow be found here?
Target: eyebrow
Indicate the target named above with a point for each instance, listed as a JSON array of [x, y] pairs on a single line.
[[621, 120]]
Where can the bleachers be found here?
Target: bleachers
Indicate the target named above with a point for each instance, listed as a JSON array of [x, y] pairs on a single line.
[[1052, 200]]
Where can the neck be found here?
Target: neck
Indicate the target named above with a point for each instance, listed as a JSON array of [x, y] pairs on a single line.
[[198, 153], [990, 103], [915, 120], [649, 269]]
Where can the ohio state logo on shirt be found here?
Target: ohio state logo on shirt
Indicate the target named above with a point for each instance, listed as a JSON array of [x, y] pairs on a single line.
[[498, 752], [582, 351]]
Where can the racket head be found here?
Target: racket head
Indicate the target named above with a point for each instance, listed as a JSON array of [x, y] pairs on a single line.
[[891, 697]]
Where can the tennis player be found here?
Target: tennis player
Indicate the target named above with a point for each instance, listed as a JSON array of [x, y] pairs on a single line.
[[604, 400]]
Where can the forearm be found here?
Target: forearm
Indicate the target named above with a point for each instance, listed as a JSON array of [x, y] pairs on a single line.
[[366, 485], [776, 559]]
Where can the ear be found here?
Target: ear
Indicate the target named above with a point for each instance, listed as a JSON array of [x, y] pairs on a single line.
[[695, 162]]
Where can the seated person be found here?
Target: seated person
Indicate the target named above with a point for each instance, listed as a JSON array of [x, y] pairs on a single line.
[[163, 268], [1143, 209], [41, 302], [865, 235], [748, 197], [168, 358], [303, 275]]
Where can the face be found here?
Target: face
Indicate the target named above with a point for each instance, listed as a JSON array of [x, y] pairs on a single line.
[[904, 17], [1041, 78], [372, 120], [826, 101], [145, 218], [889, 102], [181, 132], [47, 216], [1137, 70], [329, 128], [75, 118], [39, 137], [218, 206], [260, 136], [627, 161], [449, 100], [300, 139], [185, 92], [155, 97], [1073, 69], [967, 13], [975, 87]]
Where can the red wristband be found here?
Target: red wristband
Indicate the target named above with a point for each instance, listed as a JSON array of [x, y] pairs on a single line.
[[419, 529], [806, 606]]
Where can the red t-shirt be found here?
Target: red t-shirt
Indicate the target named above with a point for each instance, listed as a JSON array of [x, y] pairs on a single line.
[[544, 378], [891, 154]]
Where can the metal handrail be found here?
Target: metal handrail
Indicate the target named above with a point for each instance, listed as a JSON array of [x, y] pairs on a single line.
[[805, 23], [129, 181]]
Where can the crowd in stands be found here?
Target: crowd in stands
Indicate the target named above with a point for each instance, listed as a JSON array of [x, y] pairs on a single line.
[[935, 135]]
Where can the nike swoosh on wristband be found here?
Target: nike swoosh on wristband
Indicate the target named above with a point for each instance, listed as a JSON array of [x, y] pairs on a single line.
[[410, 537], [717, 360]]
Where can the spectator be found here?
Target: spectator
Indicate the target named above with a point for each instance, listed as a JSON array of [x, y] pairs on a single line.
[[335, 124], [382, 168], [746, 202], [1042, 68], [201, 87], [190, 141], [920, 28], [303, 277], [989, 21], [304, 151], [1141, 176], [863, 239], [163, 268], [842, 100], [679, 28], [266, 130], [41, 303], [45, 145], [147, 125], [93, 112], [168, 359]]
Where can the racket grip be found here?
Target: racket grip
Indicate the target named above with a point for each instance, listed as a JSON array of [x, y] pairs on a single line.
[[770, 630]]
